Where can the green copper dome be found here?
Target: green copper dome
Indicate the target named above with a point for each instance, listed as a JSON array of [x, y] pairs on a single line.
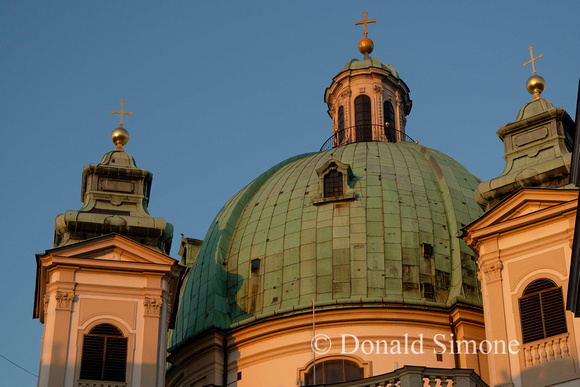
[[357, 64], [276, 245]]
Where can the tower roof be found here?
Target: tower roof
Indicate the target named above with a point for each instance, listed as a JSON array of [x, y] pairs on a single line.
[[537, 146], [357, 64]]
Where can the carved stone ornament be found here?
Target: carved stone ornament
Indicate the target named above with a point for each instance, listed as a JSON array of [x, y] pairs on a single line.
[[64, 300], [46, 300], [346, 93], [379, 89], [332, 110], [152, 306], [492, 271]]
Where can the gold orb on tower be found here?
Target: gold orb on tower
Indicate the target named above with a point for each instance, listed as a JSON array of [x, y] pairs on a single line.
[[366, 46], [535, 85], [120, 137]]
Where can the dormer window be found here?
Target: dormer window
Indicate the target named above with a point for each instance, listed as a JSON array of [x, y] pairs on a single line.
[[333, 184], [336, 182]]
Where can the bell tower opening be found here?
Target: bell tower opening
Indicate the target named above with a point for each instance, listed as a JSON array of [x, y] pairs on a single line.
[[390, 128], [363, 118]]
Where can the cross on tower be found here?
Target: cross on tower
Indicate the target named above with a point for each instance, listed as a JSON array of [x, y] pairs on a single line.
[[365, 22], [533, 60], [122, 112]]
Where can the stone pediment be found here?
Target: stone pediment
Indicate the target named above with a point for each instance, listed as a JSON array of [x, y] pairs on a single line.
[[112, 247], [526, 206]]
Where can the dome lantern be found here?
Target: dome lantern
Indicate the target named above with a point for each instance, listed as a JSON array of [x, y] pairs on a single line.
[[367, 100]]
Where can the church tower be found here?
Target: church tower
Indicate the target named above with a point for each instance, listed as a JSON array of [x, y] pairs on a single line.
[[524, 243], [105, 292]]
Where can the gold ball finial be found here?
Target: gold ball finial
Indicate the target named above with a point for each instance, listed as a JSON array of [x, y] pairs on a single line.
[[366, 46], [535, 86], [120, 137]]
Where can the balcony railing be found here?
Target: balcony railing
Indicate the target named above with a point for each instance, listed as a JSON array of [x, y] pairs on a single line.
[[362, 133], [415, 376], [546, 350]]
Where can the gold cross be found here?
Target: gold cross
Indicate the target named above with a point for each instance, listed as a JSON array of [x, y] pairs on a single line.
[[122, 112], [365, 22], [533, 60]]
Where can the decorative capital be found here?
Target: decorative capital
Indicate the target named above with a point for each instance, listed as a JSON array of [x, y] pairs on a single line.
[[152, 306], [379, 89], [492, 271], [64, 300]]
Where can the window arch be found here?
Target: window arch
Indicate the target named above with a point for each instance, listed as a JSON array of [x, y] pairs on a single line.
[[333, 371], [363, 118], [341, 124], [390, 129], [104, 355], [542, 311]]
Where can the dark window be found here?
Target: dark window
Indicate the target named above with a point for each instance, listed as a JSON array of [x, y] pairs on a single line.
[[390, 129], [340, 125], [542, 311], [333, 371], [363, 118], [104, 354], [333, 184]]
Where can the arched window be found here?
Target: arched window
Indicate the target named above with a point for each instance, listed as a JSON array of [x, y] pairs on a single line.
[[390, 129], [104, 354], [363, 118], [340, 125], [542, 311], [333, 371], [333, 184]]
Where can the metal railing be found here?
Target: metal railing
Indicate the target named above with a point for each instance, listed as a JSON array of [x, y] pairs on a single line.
[[415, 376], [362, 133]]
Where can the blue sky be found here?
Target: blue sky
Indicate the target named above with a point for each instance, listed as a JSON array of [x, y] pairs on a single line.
[[222, 90]]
